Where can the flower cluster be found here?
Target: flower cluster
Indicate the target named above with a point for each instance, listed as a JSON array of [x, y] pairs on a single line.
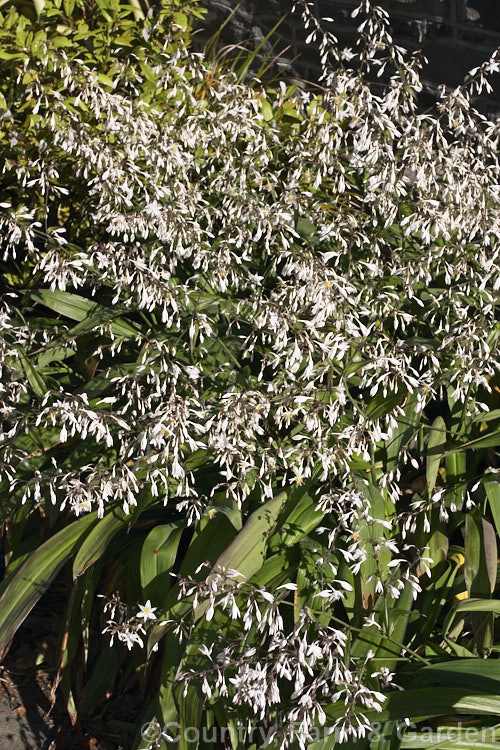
[[312, 658], [128, 630]]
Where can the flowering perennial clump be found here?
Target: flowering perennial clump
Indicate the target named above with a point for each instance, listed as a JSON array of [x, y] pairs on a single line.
[[217, 292]]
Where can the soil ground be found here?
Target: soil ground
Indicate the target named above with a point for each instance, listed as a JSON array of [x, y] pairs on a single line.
[[25, 723], [29, 720]]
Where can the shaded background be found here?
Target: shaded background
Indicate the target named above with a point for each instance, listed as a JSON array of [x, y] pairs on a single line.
[[455, 35]]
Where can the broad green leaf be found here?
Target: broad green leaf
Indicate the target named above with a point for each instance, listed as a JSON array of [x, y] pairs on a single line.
[[305, 597], [386, 646], [87, 604], [430, 603], [435, 451], [71, 630], [190, 709], [79, 308], [305, 227], [266, 109], [224, 718], [415, 705], [376, 564], [480, 573], [291, 112], [247, 551], [210, 542], [389, 738], [105, 80], [404, 431], [188, 697], [437, 548], [69, 698], [330, 741], [278, 569], [471, 674], [381, 404], [490, 440], [61, 41], [434, 543], [34, 378], [471, 605], [302, 519], [124, 39], [457, 650], [480, 555], [157, 558], [391, 647], [479, 605], [492, 489], [101, 680], [171, 659], [456, 475], [98, 540], [448, 739], [221, 503], [214, 535], [11, 55], [425, 703], [54, 354], [33, 578], [181, 20], [487, 416]]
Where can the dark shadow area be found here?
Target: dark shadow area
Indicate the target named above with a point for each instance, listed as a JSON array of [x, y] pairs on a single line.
[[24, 720]]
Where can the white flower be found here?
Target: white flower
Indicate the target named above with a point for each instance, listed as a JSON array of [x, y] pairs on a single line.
[[146, 611], [347, 54]]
